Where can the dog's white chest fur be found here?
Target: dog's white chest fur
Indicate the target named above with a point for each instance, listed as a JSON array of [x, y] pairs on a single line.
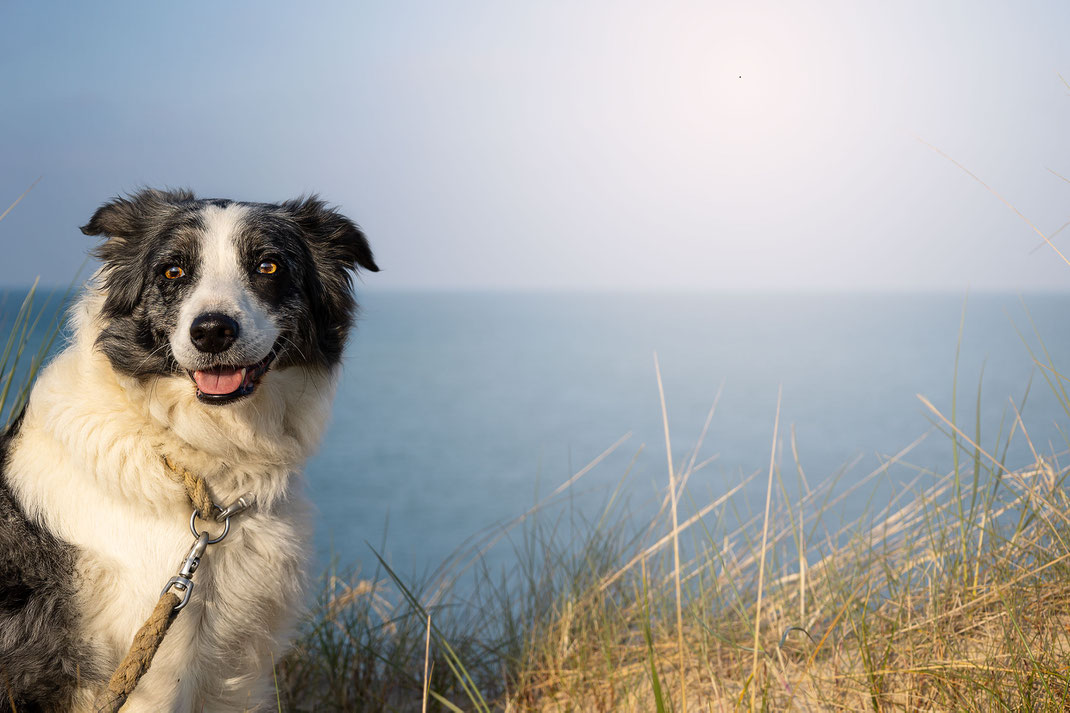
[[87, 463]]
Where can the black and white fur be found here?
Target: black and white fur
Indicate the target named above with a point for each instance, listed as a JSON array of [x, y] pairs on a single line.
[[91, 526]]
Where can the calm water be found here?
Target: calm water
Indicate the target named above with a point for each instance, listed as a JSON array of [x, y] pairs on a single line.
[[457, 411]]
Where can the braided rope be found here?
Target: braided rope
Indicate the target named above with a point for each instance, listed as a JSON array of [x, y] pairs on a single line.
[[195, 487], [138, 659]]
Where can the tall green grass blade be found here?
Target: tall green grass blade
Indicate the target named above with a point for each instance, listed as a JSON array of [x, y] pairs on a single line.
[[16, 342], [12, 337], [955, 440], [976, 449], [55, 326], [449, 706], [454, 662]]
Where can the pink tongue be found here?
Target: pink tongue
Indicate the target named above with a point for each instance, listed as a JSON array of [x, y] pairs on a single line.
[[218, 381]]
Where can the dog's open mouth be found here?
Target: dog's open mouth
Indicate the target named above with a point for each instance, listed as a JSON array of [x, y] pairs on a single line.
[[223, 384]]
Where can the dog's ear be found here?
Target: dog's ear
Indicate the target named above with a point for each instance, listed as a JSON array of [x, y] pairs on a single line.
[[124, 222], [338, 247], [115, 219], [333, 236], [127, 218]]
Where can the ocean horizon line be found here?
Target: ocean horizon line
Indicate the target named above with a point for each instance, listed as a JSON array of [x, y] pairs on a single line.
[[654, 291]]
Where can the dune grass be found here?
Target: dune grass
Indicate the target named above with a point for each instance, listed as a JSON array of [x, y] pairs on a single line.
[[15, 383], [952, 595]]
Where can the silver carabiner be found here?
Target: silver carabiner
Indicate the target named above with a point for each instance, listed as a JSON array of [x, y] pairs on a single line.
[[183, 581]]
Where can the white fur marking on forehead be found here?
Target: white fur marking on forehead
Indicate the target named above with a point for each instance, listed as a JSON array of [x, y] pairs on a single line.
[[219, 249]]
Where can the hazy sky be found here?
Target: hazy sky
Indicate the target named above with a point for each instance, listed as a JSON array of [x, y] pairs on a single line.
[[563, 144]]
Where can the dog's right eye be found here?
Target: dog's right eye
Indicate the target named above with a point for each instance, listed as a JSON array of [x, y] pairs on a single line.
[[174, 272]]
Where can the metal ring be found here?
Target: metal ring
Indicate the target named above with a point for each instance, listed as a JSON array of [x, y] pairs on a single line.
[[193, 527]]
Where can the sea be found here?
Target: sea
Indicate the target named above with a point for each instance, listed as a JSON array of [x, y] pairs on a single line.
[[458, 412]]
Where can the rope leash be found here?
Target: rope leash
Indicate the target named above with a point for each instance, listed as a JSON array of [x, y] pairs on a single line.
[[138, 659], [148, 638], [196, 490]]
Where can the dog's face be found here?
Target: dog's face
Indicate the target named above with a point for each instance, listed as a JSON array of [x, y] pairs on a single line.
[[223, 291]]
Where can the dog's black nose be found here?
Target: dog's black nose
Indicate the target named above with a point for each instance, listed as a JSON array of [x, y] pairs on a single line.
[[213, 333]]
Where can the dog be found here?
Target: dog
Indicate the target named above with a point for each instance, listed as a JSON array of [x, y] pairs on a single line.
[[211, 335]]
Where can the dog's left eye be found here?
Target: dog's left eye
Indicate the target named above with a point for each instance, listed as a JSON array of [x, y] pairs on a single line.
[[173, 272], [267, 268]]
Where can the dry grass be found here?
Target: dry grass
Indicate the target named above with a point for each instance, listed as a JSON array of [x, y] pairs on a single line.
[[953, 596], [890, 625]]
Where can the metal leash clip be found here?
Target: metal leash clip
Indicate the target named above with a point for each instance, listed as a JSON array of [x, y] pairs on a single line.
[[183, 581], [236, 508]]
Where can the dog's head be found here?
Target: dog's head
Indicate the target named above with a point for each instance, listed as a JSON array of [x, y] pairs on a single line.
[[224, 291]]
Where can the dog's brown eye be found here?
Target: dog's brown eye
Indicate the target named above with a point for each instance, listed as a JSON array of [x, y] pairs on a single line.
[[174, 272], [267, 268]]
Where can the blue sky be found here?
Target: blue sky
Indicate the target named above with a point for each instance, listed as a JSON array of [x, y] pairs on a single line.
[[616, 145]]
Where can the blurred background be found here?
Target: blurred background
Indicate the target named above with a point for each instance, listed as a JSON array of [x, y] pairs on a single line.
[[556, 190]]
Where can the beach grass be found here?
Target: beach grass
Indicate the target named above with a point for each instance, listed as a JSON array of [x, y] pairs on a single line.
[[15, 383], [949, 593]]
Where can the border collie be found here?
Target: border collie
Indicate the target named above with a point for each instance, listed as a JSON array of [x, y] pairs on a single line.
[[211, 335]]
